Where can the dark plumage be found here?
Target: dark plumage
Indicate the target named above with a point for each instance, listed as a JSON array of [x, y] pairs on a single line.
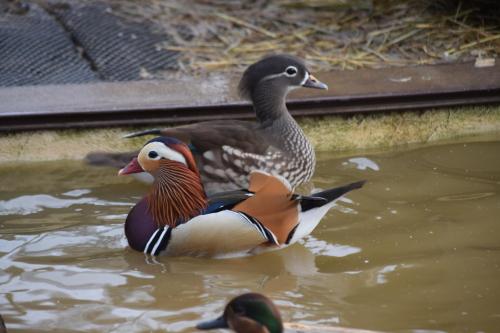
[[248, 313], [269, 66], [226, 151], [320, 198]]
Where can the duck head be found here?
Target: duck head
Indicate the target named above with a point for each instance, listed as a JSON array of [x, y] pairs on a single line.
[[248, 313], [156, 152], [177, 193], [267, 82], [282, 71]]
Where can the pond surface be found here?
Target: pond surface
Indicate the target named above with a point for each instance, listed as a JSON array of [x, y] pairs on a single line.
[[416, 250]]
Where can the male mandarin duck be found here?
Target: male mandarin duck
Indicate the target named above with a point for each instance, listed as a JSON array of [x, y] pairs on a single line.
[[176, 218], [226, 151], [248, 313]]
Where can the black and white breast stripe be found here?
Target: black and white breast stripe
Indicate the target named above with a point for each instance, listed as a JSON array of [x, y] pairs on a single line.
[[260, 227], [158, 242]]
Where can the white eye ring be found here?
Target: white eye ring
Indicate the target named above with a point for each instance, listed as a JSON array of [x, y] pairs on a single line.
[[291, 71]]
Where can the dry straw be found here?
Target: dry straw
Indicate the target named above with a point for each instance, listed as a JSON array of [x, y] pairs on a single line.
[[330, 34]]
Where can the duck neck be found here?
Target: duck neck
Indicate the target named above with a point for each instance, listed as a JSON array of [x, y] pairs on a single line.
[[269, 102], [274, 118], [272, 113], [177, 194]]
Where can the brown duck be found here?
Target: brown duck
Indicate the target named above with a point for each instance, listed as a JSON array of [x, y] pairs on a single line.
[[227, 151]]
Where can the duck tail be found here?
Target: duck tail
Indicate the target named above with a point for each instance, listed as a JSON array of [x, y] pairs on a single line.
[[154, 131], [314, 208], [327, 196]]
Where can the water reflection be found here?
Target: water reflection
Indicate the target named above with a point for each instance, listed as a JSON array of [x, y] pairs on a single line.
[[321, 247]]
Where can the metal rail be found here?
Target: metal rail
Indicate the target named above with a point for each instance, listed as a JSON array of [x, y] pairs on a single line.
[[154, 102]]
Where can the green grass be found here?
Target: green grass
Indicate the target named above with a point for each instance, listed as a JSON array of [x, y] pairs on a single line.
[[393, 129]]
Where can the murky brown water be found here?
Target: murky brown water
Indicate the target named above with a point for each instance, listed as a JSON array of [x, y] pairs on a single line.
[[416, 250]]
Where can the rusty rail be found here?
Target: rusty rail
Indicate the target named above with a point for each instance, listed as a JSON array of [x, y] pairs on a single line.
[[154, 102]]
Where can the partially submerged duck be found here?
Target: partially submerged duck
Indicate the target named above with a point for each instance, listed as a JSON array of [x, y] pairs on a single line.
[[177, 218], [248, 313], [255, 313]]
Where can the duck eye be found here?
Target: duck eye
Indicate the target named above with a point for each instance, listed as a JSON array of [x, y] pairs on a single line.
[[152, 154], [291, 71]]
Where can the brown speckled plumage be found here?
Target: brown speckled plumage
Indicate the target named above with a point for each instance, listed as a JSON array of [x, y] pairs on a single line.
[[227, 151]]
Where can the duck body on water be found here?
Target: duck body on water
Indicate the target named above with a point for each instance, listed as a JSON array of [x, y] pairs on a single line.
[[227, 151], [177, 218]]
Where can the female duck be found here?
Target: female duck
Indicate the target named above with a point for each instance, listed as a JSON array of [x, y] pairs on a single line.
[[177, 218], [227, 150]]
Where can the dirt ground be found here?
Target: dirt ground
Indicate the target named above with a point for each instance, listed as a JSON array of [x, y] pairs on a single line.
[[228, 35]]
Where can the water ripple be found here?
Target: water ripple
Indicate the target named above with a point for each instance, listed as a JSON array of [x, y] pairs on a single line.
[[31, 204], [321, 247], [466, 196]]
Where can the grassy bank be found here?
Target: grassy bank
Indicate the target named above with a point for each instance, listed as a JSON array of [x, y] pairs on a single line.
[[332, 133]]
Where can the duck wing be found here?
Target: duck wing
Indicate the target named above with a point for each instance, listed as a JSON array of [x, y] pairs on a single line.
[[272, 205], [226, 152], [201, 137], [226, 200], [212, 135]]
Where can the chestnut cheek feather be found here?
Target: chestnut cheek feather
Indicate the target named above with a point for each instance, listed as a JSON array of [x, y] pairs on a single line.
[[177, 194], [186, 152]]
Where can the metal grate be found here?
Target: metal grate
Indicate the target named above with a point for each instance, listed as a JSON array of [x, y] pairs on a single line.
[[78, 43], [35, 49], [119, 50]]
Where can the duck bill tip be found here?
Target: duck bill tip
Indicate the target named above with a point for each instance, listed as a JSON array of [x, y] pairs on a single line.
[[313, 82], [212, 324], [132, 167]]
